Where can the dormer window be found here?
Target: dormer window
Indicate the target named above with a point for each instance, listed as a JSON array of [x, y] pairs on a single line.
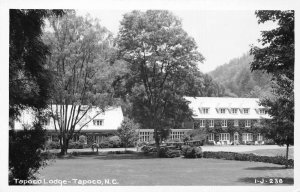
[[262, 111], [234, 110], [205, 110], [246, 111], [222, 110], [98, 122]]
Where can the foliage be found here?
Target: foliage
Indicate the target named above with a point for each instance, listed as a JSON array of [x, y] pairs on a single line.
[[82, 139], [25, 153], [166, 152], [248, 157], [83, 72], [238, 80], [196, 134], [191, 152], [161, 57], [28, 88], [128, 132], [114, 141], [149, 149], [52, 145], [105, 144], [203, 85], [277, 58], [28, 77]]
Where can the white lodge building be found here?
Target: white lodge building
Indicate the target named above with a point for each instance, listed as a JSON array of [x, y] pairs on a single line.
[[224, 120], [95, 128], [228, 120]]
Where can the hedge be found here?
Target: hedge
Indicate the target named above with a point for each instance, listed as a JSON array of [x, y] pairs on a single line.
[[248, 157], [191, 152], [165, 152]]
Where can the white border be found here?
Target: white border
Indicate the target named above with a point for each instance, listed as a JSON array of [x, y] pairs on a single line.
[[5, 5]]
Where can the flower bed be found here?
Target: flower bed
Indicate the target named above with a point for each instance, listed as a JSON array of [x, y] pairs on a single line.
[[248, 157]]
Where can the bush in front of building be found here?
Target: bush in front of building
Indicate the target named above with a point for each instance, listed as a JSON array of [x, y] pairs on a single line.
[[105, 144], [148, 149], [52, 145], [115, 141], [191, 151], [248, 157], [166, 152], [77, 145], [111, 142]]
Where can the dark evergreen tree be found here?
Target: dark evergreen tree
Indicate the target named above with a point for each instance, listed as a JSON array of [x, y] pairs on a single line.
[[277, 58], [28, 88]]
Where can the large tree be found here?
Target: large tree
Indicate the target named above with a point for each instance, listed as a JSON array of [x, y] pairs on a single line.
[[28, 77], [277, 57], [160, 57], [28, 88], [83, 72]]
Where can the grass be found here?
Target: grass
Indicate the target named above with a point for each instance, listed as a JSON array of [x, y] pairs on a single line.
[[273, 152], [137, 169]]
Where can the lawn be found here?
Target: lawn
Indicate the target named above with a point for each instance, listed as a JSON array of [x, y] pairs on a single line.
[[132, 169], [273, 152]]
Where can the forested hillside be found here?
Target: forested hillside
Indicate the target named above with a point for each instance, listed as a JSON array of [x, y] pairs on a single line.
[[238, 79]]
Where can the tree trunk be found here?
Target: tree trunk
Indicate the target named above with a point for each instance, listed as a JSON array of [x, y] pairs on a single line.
[[64, 146], [287, 156], [157, 143]]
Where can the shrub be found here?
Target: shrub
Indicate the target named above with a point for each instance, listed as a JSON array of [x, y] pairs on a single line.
[[25, 153], [115, 141], [191, 152], [166, 152], [122, 152], [82, 139], [148, 149], [140, 144], [269, 142], [105, 144], [248, 157], [210, 143], [52, 145], [72, 145]]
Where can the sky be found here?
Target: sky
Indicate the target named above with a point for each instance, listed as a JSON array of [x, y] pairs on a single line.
[[221, 35]]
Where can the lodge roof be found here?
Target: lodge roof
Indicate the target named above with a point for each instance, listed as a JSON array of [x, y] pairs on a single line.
[[214, 104]]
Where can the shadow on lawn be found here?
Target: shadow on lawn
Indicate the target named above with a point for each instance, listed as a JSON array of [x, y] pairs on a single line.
[[267, 168], [267, 181], [124, 156]]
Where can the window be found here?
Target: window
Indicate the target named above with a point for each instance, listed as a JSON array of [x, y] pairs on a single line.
[[259, 137], [222, 110], [247, 123], [224, 137], [202, 123], [224, 123], [247, 137], [262, 111], [144, 136], [234, 110], [211, 123], [211, 137], [98, 122], [176, 135], [246, 111], [205, 110], [236, 123]]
